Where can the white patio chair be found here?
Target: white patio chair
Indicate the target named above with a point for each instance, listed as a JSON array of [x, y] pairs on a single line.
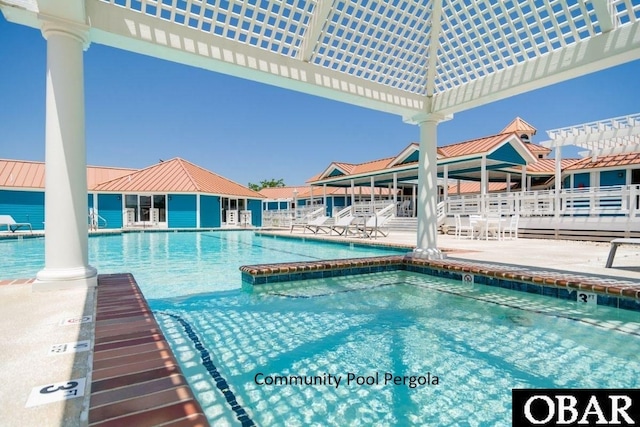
[[511, 228], [467, 229]]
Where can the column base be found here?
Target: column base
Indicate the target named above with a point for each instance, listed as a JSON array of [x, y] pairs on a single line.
[[429, 253], [53, 279]]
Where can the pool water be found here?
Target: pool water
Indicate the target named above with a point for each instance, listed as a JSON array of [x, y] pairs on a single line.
[[177, 264], [478, 342], [463, 347]]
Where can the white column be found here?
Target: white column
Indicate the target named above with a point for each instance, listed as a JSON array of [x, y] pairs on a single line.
[[483, 185], [523, 182], [353, 194], [508, 183], [395, 187], [414, 199], [373, 194], [558, 180], [428, 189], [324, 198], [199, 214], [66, 208], [445, 178]]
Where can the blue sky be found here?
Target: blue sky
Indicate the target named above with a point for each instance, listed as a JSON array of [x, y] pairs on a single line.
[[141, 109]]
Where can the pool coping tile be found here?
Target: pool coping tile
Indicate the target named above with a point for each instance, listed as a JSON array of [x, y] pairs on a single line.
[[135, 377], [522, 278]]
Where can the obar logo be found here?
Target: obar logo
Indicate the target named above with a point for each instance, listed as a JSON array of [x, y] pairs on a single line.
[[576, 407]]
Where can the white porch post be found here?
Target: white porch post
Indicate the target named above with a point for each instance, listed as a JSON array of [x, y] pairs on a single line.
[[428, 189], [324, 198], [199, 214], [353, 194], [66, 208], [508, 183], [558, 180], [483, 185], [395, 187], [523, 182], [373, 195], [445, 178]]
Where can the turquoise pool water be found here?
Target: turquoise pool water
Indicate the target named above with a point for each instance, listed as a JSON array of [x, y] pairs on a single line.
[[177, 264], [463, 347]]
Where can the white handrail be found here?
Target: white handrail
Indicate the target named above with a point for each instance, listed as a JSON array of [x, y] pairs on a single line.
[[591, 201]]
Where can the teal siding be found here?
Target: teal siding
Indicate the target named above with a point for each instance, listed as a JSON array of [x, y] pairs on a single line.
[[182, 211], [617, 177], [507, 153], [90, 201], [581, 180], [110, 208], [339, 201], [412, 158], [272, 206], [336, 172], [210, 211], [255, 206], [329, 207], [23, 206]]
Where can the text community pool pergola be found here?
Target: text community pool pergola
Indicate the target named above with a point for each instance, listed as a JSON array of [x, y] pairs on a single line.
[[422, 60]]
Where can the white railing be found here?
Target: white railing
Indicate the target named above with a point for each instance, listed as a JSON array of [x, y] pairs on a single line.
[[591, 201], [287, 217], [369, 208]]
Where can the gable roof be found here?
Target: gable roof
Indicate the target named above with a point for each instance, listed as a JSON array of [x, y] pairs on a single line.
[[179, 176], [474, 146], [29, 174], [519, 126]]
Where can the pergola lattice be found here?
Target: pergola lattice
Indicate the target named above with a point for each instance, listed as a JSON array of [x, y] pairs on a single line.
[[423, 60], [395, 56], [609, 136]]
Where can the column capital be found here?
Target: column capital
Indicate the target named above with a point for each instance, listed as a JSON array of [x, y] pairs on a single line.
[[423, 117], [53, 25]]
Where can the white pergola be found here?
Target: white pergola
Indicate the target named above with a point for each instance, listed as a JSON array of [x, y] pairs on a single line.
[[422, 60], [604, 137]]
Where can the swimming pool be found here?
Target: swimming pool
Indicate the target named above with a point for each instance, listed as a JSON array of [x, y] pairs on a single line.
[[465, 346]]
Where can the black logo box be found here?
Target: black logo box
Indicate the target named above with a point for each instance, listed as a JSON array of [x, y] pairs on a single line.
[[575, 407]]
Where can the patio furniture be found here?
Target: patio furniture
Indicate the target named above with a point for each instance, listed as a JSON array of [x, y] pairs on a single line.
[[468, 229], [511, 228], [317, 225], [342, 225], [614, 247], [12, 225]]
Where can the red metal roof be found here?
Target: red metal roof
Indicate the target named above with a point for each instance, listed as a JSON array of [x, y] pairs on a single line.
[[609, 161], [548, 166], [179, 176], [471, 187], [474, 146], [28, 174], [519, 126]]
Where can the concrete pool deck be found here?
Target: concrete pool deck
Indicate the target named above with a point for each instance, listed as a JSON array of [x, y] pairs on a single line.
[[31, 323]]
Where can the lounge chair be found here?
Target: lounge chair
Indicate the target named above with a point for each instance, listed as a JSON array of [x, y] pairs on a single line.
[[373, 226], [342, 225], [317, 224], [12, 225]]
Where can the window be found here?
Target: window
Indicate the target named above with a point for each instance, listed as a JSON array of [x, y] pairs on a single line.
[[142, 206]]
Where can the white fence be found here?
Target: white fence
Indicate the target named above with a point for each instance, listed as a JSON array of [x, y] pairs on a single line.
[[591, 201]]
